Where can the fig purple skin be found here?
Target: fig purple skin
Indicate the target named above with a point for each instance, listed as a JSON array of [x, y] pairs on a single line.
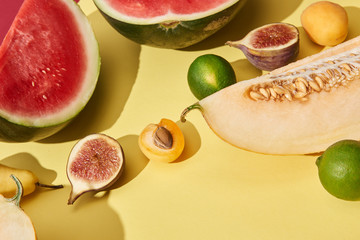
[[270, 61], [270, 46]]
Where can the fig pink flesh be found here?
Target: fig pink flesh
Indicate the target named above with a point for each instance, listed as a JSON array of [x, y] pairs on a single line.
[[97, 160], [154, 8], [44, 76], [272, 36]]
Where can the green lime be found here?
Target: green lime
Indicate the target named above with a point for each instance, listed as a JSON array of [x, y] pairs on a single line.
[[339, 169], [208, 74]]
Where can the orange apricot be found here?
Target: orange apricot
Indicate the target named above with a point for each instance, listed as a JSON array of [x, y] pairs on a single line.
[[162, 142], [325, 22]]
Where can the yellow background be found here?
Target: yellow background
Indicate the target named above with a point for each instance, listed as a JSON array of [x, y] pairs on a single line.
[[214, 191]]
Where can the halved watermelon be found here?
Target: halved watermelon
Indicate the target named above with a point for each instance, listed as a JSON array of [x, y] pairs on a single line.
[[49, 66], [168, 23]]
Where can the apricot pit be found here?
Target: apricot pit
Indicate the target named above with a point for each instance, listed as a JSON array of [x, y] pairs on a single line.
[[162, 142]]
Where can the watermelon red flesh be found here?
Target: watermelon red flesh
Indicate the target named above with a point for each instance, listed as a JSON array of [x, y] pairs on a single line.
[[156, 8], [49, 66], [40, 80], [8, 11]]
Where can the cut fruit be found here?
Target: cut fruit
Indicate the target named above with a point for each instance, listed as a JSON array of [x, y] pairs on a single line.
[[300, 108], [168, 23], [270, 46], [162, 142], [49, 65], [95, 163], [14, 222]]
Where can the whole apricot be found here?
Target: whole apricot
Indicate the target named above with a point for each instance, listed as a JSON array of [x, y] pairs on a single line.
[[326, 23], [162, 142]]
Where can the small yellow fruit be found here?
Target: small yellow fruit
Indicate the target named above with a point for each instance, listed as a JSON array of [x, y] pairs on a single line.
[[28, 180], [162, 142], [326, 23]]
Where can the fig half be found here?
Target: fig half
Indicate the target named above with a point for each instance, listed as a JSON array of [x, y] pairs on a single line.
[[271, 46], [95, 163]]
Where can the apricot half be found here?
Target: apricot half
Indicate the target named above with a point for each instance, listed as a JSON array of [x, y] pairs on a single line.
[[326, 23], [162, 142]]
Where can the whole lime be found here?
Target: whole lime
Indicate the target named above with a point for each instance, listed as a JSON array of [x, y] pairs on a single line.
[[339, 169], [208, 74]]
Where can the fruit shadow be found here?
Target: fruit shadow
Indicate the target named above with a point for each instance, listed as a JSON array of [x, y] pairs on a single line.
[[244, 70], [136, 161], [354, 18], [29, 162], [54, 219], [118, 72], [192, 140], [254, 13]]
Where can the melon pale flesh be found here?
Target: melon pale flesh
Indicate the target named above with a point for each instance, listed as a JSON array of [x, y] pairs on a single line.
[[301, 108], [49, 65], [168, 23]]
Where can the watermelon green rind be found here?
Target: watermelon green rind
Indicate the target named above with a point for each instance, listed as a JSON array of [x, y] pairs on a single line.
[[171, 31], [11, 132], [15, 127]]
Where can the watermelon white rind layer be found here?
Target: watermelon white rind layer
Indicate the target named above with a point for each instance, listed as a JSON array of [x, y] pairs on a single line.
[[171, 30], [24, 116]]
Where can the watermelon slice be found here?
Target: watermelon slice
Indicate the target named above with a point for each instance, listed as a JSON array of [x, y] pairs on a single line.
[[168, 23], [49, 66]]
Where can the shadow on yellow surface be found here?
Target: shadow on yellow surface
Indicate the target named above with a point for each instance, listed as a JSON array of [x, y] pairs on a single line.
[[93, 220], [29, 162], [119, 67], [244, 70], [192, 140], [354, 18], [135, 161]]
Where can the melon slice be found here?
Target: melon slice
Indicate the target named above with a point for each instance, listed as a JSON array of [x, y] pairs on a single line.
[[49, 66], [168, 23], [301, 108], [15, 223]]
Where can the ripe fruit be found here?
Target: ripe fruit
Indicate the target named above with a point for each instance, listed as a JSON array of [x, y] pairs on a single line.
[[339, 169], [208, 74], [28, 180], [297, 109], [270, 46], [95, 163], [168, 24], [326, 23], [162, 142], [49, 66], [14, 222]]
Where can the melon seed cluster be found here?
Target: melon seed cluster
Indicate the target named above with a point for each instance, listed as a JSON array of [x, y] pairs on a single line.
[[316, 77]]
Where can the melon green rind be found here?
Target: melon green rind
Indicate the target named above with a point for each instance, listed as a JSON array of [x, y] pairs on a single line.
[[173, 33], [14, 128]]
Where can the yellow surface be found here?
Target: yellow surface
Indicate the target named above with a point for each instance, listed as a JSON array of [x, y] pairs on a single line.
[[215, 191]]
